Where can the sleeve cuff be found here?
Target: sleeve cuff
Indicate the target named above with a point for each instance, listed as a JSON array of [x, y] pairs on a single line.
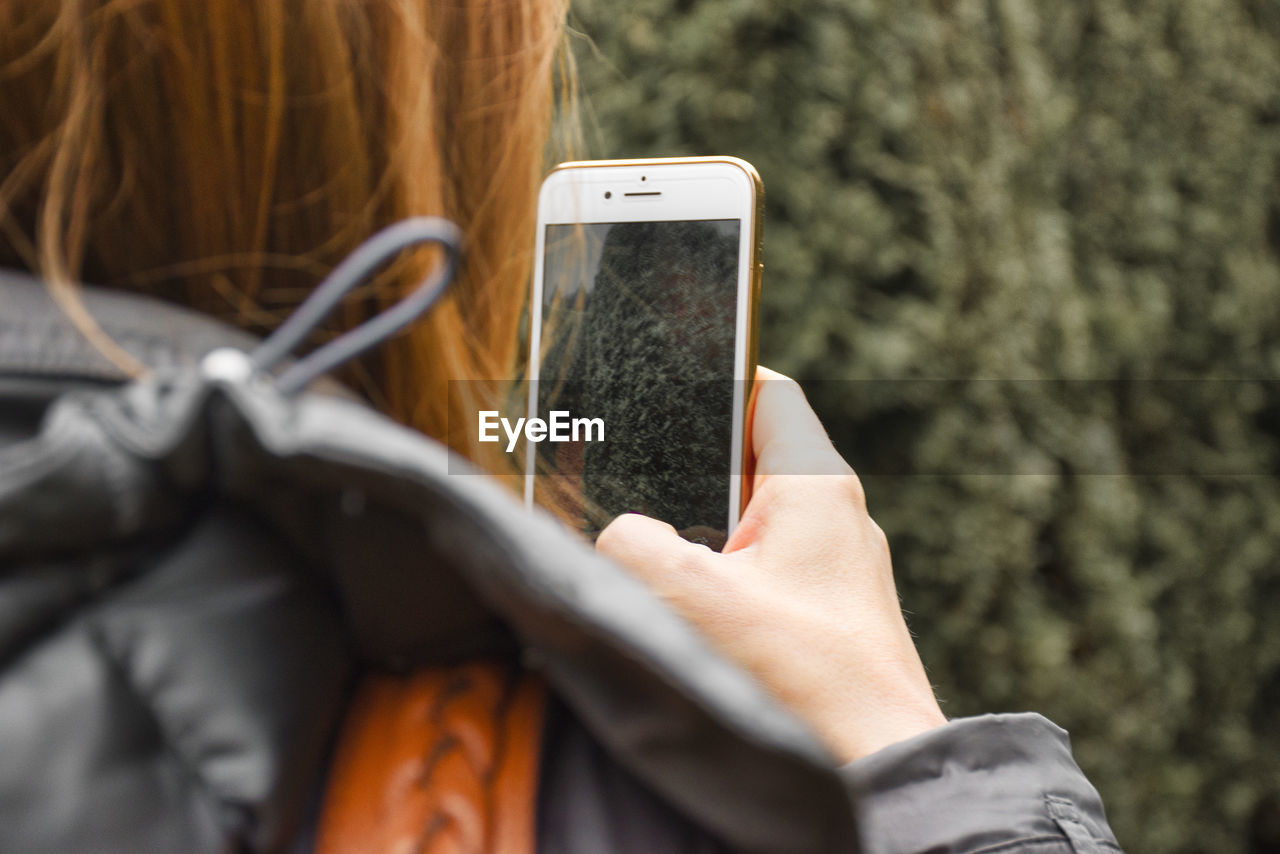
[[978, 783]]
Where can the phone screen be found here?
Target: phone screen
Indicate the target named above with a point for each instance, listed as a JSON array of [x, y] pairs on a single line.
[[638, 331]]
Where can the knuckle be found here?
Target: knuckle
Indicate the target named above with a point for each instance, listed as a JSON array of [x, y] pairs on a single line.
[[623, 529], [880, 538], [605, 539], [850, 485], [692, 561]]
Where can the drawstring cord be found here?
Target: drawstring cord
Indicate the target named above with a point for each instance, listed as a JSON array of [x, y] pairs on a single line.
[[353, 270]]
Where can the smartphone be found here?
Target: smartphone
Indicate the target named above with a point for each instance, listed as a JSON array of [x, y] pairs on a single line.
[[642, 342]]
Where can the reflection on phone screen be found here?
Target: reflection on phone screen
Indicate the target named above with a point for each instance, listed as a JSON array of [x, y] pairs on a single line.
[[638, 330]]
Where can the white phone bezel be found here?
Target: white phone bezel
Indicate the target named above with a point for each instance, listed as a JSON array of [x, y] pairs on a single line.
[[686, 190]]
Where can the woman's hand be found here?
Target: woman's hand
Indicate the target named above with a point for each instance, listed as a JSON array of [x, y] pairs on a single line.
[[803, 594]]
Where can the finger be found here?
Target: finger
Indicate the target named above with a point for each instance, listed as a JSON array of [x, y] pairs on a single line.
[[790, 447], [787, 436], [652, 550]]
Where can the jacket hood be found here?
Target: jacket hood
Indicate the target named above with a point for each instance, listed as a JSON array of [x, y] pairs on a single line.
[[429, 561]]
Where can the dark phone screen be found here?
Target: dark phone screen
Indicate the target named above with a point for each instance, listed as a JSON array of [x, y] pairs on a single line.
[[638, 332]]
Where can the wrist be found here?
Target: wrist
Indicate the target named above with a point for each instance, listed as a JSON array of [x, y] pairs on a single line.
[[861, 738], [882, 703]]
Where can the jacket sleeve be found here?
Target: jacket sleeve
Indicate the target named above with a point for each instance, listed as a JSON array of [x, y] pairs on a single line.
[[995, 783]]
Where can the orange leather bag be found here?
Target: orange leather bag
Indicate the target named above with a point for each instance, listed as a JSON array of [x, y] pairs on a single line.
[[443, 761]]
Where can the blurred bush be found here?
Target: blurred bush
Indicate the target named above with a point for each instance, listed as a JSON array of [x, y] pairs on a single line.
[[963, 191]]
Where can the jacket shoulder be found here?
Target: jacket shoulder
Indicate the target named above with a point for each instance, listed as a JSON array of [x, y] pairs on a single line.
[[177, 694]]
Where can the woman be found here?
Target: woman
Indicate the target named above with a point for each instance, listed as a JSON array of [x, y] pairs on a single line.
[[231, 622]]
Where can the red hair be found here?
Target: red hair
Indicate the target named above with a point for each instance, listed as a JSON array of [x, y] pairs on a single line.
[[226, 154]]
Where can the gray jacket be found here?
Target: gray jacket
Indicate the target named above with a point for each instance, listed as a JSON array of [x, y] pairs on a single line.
[[192, 569]]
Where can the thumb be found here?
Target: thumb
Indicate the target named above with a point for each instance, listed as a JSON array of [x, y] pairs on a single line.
[[801, 483], [786, 435]]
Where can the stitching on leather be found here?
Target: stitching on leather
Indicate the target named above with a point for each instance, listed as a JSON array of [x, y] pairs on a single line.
[[446, 745]]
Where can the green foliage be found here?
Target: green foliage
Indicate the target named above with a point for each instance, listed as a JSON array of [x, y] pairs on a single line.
[[963, 191]]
